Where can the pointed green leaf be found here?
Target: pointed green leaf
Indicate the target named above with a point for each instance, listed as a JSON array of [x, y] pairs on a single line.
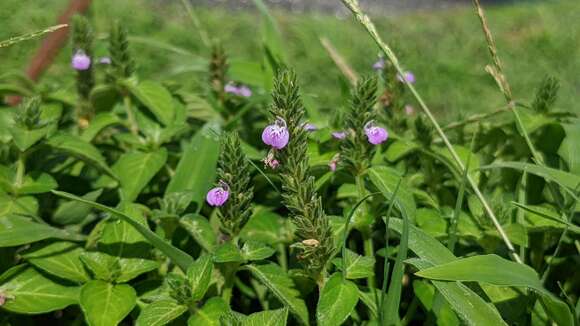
[[80, 149], [254, 250], [156, 98], [160, 313], [196, 169], [180, 258], [100, 122], [19, 230], [282, 286], [73, 212], [357, 266], [24, 138], [337, 301], [61, 259], [386, 180], [200, 229], [199, 276], [277, 317], [106, 304], [227, 253], [136, 169], [29, 292], [210, 313]]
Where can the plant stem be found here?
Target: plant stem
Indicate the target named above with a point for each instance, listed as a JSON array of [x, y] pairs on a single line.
[[371, 29], [20, 169], [130, 116], [367, 231], [476, 118], [282, 256]]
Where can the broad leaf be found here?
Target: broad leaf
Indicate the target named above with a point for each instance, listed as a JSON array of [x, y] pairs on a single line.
[[196, 169], [100, 122], [282, 286], [29, 292], [199, 276], [337, 301], [156, 98], [210, 313], [61, 259], [24, 138], [254, 250], [180, 258], [357, 266], [160, 313], [264, 226], [19, 230], [569, 150], [200, 229], [227, 252], [73, 212], [136, 169], [81, 149], [386, 179], [277, 317], [106, 304]]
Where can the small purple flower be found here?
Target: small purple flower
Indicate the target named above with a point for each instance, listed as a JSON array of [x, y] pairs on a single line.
[[105, 60], [219, 195], [409, 77], [375, 134], [276, 134], [80, 61], [244, 91], [380, 64], [409, 110], [310, 127], [334, 162], [340, 135]]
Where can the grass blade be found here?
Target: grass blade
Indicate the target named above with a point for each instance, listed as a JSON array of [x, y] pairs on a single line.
[[26, 37]]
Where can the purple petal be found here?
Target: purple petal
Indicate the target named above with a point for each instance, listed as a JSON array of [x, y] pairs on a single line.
[[244, 91], [310, 127], [80, 61], [339, 135], [217, 196], [276, 136], [380, 64], [376, 135]]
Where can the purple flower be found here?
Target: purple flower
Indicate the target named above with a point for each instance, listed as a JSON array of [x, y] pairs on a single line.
[[310, 127], [243, 91], [80, 61], [276, 134], [375, 134], [218, 195], [380, 64], [105, 60], [339, 135], [409, 77], [409, 110]]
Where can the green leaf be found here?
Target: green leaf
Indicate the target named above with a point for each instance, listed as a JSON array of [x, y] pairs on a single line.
[[136, 169], [199, 276], [106, 304], [386, 179], [227, 252], [29, 292], [282, 286], [73, 212], [103, 98], [200, 229], [399, 149], [98, 124], [196, 169], [565, 179], [357, 266], [121, 240], [61, 259], [271, 36], [569, 150], [466, 303], [464, 154], [264, 226], [24, 138], [18, 205], [469, 306], [277, 317], [20, 230], [160, 313], [548, 218], [156, 98], [254, 250], [337, 301], [431, 221], [36, 183], [81, 149], [180, 258], [210, 313], [102, 266], [495, 270]]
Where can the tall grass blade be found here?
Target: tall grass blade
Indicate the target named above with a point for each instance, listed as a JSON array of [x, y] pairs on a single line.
[[29, 36]]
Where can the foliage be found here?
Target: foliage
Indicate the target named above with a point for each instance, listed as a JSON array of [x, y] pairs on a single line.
[[104, 218]]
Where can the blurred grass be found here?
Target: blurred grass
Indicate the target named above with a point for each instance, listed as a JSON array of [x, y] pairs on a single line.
[[444, 49]]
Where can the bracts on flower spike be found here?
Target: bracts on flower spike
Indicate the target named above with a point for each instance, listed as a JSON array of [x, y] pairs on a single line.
[[233, 193], [288, 138], [81, 61]]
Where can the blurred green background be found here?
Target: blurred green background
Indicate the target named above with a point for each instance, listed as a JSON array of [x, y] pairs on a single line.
[[444, 48]]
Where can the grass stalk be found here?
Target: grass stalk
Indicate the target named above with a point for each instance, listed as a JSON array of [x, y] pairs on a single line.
[[371, 29]]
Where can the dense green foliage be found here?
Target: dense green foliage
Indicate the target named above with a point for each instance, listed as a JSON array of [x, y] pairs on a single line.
[[139, 195]]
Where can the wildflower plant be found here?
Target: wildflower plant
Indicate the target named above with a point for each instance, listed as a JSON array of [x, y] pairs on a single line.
[[82, 62], [299, 193]]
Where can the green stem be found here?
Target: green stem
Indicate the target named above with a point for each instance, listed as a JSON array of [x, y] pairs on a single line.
[[367, 232], [282, 256], [130, 115], [20, 170]]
